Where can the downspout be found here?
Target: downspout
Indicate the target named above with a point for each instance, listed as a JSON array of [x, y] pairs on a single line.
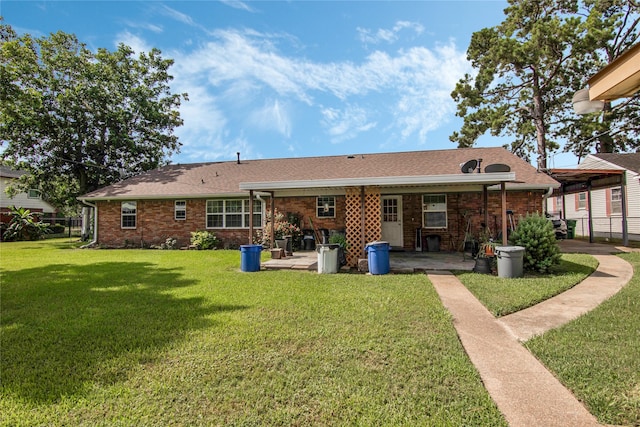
[[545, 196], [95, 225]]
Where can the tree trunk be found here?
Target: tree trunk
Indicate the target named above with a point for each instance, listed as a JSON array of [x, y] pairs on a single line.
[[538, 119]]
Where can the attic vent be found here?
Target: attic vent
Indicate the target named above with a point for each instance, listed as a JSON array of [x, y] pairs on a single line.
[[351, 156]]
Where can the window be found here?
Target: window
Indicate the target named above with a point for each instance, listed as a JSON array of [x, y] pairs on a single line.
[[232, 213], [180, 209], [616, 200], [34, 194], [128, 214], [326, 207], [582, 201], [434, 211]]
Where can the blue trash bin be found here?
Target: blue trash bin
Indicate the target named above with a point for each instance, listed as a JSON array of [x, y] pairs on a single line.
[[378, 257], [250, 257]]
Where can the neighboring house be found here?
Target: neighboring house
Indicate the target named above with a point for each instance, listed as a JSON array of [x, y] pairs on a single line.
[[31, 200], [606, 203], [395, 197]]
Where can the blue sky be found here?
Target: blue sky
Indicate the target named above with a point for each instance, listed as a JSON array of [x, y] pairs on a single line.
[[292, 78]]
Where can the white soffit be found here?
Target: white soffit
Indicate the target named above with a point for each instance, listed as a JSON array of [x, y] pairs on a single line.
[[472, 178]]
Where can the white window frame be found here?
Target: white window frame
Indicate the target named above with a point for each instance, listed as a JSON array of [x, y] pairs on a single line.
[[180, 210], [129, 212], [227, 209], [430, 205], [616, 200], [582, 201], [33, 193], [325, 207]]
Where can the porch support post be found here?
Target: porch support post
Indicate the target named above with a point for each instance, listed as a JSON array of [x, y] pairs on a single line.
[[503, 190], [590, 210], [250, 217], [363, 221], [485, 207], [623, 203], [273, 216]]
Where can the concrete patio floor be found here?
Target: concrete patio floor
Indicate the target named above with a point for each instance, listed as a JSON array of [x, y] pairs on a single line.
[[418, 262], [399, 262]]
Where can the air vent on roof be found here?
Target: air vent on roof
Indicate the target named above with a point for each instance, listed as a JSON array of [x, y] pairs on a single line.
[[351, 156]]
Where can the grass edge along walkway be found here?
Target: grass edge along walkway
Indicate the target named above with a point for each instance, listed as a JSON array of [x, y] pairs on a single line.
[[524, 390]]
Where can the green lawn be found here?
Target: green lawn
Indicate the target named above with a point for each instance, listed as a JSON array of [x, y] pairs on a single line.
[[504, 296], [144, 337], [598, 355]]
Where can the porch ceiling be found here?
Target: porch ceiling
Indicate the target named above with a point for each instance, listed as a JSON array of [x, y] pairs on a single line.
[[579, 180]]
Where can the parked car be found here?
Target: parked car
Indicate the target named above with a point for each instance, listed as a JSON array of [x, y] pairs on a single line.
[[559, 225]]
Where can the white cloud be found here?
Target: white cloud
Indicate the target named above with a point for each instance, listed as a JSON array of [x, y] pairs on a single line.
[[145, 26], [383, 35], [134, 42], [239, 71], [272, 116], [343, 125], [237, 4]]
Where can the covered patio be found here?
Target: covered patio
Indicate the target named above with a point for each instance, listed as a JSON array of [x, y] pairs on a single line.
[[404, 262]]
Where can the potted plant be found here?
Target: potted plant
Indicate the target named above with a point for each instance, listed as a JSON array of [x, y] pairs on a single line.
[[341, 240], [486, 253], [282, 228]]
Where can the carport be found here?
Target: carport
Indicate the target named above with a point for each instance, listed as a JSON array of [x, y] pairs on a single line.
[[580, 180]]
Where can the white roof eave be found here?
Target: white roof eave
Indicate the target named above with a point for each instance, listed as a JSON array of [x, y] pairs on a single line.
[[473, 178]]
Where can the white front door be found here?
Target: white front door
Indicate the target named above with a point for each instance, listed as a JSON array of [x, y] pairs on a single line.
[[392, 220]]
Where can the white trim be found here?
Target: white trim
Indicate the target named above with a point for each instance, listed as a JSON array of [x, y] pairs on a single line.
[[477, 178]]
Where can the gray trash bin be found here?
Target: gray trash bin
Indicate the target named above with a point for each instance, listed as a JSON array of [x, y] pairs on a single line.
[[510, 261], [327, 258]]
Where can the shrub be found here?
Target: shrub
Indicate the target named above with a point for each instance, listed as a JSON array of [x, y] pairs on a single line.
[[204, 240], [169, 244], [24, 225], [57, 229], [537, 235], [282, 226]]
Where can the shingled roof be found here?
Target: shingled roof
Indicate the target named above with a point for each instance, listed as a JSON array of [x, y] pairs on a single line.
[[234, 178], [629, 161]]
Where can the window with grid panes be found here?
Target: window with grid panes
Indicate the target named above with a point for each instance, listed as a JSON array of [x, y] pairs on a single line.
[[434, 211], [180, 209], [232, 213], [128, 213]]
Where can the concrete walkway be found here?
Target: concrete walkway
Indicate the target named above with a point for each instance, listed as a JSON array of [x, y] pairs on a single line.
[[524, 390]]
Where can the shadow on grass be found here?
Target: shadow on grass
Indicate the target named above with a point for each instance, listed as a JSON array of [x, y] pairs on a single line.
[[68, 328]]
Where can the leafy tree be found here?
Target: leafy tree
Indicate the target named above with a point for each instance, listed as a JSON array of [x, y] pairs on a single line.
[[24, 225], [79, 120], [529, 67]]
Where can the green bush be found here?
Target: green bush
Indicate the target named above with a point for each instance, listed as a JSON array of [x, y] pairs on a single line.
[[57, 229], [204, 240], [24, 225], [536, 234]]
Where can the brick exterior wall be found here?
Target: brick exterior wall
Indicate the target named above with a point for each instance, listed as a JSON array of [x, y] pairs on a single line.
[[155, 219], [452, 237]]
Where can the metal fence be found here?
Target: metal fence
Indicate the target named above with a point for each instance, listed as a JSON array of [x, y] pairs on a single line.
[[69, 226], [608, 227]]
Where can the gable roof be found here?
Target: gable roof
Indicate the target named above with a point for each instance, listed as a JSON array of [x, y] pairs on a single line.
[[437, 167], [629, 161], [7, 172]]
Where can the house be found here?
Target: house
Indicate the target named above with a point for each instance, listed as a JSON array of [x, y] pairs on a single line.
[[31, 200], [606, 204], [397, 197]]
